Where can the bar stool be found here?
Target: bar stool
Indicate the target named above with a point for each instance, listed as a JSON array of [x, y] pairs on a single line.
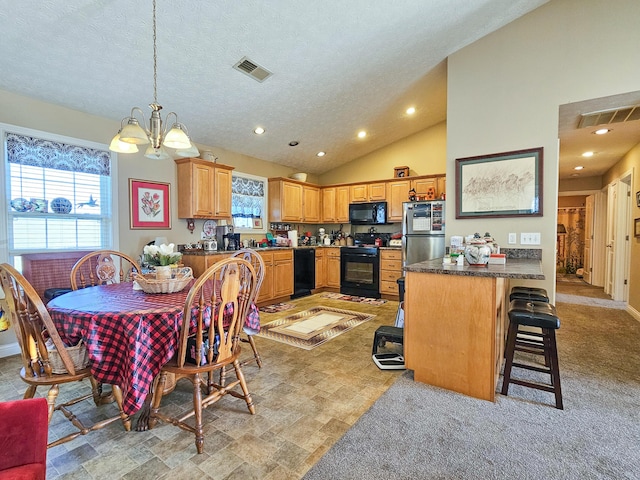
[[529, 293], [533, 314]]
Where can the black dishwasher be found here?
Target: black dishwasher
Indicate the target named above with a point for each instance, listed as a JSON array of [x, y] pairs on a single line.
[[304, 271]]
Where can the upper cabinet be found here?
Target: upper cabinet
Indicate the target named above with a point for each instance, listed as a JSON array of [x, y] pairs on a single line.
[[310, 204], [397, 192], [294, 201], [204, 189], [335, 204], [368, 192], [285, 200]]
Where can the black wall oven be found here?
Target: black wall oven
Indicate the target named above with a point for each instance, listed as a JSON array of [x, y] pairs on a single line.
[[360, 271]]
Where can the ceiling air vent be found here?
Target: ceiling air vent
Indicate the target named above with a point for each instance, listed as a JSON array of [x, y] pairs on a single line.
[[251, 68], [617, 115]]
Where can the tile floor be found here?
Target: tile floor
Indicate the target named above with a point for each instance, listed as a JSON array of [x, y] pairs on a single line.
[[305, 401]]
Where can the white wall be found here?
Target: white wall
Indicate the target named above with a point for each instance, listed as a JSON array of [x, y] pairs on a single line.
[[504, 92]]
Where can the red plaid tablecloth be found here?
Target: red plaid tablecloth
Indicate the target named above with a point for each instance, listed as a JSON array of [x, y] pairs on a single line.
[[129, 334]]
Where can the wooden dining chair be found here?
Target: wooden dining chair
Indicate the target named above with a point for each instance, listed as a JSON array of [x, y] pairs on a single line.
[[33, 326], [102, 267], [255, 259], [209, 339]]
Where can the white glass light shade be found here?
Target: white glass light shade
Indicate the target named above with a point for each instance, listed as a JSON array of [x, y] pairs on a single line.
[[156, 153], [176, 138], [133, 133], [188, 152], [119, 146]]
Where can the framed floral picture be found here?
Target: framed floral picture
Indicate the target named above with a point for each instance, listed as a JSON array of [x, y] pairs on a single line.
[[149, 204]]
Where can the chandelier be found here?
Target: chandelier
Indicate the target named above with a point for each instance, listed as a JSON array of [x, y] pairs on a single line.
[[131, 134]]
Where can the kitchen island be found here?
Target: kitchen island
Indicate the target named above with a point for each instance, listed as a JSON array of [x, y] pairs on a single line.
[[455, 322]]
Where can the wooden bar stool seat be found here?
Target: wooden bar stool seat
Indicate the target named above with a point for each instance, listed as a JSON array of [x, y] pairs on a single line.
[[529, 293], [533, 314]]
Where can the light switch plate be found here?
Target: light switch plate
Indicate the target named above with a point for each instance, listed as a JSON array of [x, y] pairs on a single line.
[[530, 238], [512, 239]]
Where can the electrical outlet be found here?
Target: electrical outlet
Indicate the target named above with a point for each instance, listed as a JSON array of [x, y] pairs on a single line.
[[203, 236], [512, 239], [530, 238]]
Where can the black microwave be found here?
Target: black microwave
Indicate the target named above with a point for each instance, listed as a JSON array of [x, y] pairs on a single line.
[[373, 213]]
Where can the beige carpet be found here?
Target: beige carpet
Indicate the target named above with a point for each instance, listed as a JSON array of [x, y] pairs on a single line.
[[313, 327]]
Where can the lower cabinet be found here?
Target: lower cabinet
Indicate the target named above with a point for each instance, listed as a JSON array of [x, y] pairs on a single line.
[[199, 263], [321, 268], [390, 271], [278, 277], [333, 267]]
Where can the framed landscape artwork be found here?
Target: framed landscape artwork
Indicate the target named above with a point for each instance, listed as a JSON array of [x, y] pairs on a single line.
[[149, 204], [500, 185]]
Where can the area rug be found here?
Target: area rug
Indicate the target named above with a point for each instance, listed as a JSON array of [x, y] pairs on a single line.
[[276, 307], [355, 298], [313, 327]]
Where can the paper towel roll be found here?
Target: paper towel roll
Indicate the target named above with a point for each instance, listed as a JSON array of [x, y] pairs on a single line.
[[293, 237]]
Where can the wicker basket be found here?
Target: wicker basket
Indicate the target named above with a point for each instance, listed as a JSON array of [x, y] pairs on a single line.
[[78, 353], [149, 284]]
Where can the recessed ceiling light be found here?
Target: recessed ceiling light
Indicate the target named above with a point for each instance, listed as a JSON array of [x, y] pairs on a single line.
[[259, 131], [411, 110], [602, 131], [579, 167], [574, 175], [587, 154], [362, 134], [320, 154], [294, 143]]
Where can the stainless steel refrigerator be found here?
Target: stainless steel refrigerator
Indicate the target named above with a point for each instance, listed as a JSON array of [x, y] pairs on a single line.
[[422, 231]]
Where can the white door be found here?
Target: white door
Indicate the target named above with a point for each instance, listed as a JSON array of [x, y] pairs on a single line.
[[588, 237], [611, 237], [598, 249]]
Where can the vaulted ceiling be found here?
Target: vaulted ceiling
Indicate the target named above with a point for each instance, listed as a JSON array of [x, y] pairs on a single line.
[[337, 66]]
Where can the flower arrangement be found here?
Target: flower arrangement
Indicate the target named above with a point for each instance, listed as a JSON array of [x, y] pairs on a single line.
[[162, 255]]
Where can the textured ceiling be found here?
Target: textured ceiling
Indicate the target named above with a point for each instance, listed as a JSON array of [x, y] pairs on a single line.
[[338, 66]]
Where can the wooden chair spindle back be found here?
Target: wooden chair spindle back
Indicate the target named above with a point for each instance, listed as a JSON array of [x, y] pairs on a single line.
[[103, 267]]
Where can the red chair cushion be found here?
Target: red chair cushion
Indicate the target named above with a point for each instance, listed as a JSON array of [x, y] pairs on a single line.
[[23, 442]]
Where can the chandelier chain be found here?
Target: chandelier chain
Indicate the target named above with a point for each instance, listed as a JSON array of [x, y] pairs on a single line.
[[155, 57]]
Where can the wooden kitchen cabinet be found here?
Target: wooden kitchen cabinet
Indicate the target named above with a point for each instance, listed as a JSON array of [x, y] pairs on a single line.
[[199, 263], [333, 267], [321, 268], [204, 189], [329, 205], [397, 192], [335, 204], [278, 275], [442, 186], [311, 204], [285, 200], [422, 185], [390, 271], [368, 192], [342, 204], [283, 273]]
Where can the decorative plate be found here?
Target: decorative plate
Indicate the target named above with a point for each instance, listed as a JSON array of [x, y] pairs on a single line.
[[22, 205], [209, 228], [60, 205]]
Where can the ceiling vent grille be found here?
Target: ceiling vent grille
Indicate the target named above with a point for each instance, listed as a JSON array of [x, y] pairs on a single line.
[[617, 115], [251, 68]]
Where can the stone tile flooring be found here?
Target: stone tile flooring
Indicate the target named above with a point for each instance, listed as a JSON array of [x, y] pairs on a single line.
[[305, 401]]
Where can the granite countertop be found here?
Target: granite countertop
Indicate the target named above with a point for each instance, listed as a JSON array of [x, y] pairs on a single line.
[[514, 268]]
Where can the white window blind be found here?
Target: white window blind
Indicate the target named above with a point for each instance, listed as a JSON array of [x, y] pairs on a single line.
[[58, 195]]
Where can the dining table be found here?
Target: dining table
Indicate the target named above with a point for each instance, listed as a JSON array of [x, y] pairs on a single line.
[[129, 334]]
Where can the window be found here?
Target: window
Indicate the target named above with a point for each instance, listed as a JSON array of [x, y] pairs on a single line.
[[248, 203], [59, 193]]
